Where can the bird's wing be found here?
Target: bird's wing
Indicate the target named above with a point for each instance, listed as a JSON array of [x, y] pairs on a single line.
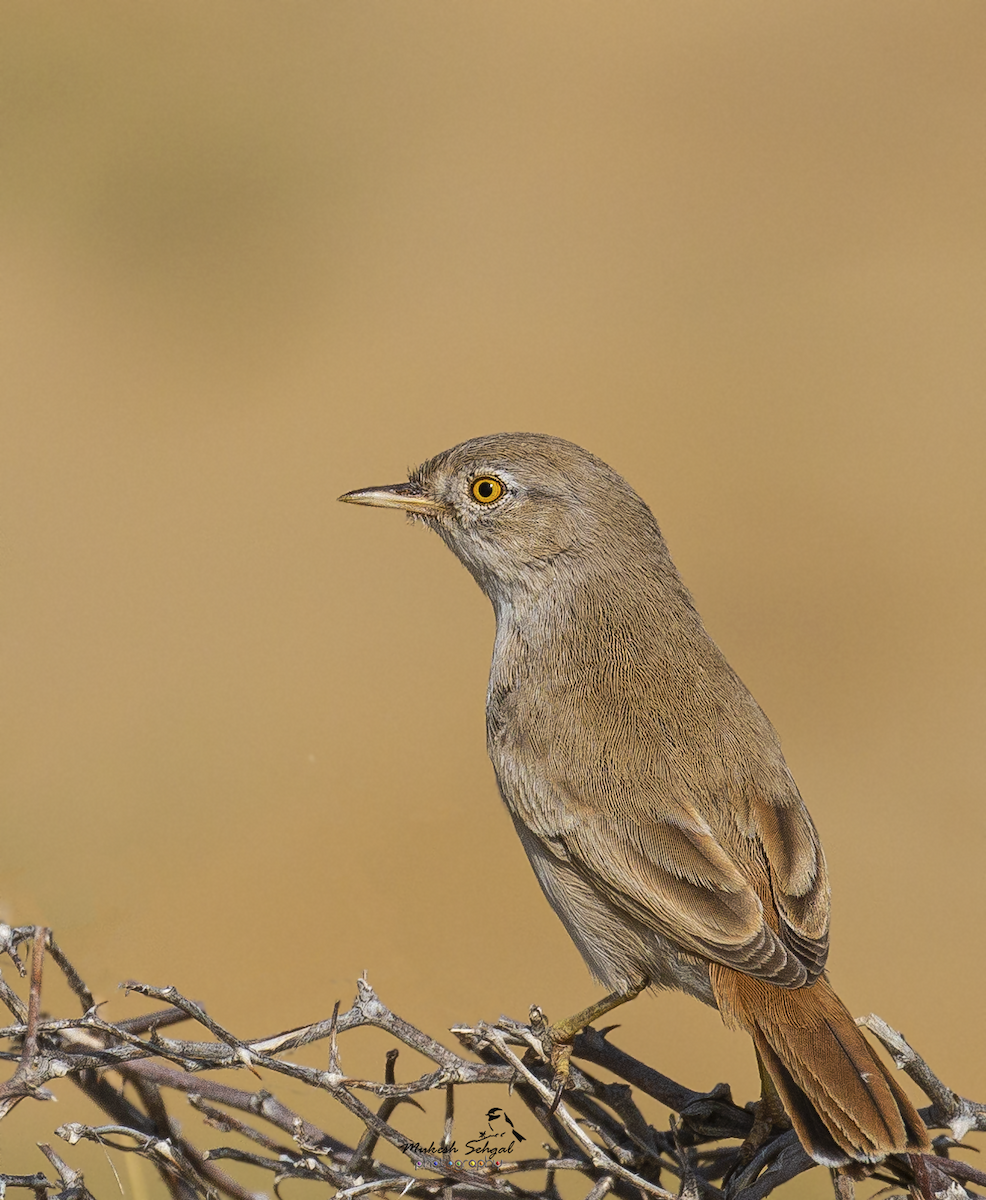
[[798, 877], [758, 904]]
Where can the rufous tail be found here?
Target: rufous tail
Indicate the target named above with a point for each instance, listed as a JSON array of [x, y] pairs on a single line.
[[844, 1104]]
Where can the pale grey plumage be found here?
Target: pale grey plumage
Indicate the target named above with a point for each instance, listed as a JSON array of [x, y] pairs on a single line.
[[598, 736], [646, 785]]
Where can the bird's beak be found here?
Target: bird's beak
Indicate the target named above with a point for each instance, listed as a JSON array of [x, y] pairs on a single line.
[[407, 496]]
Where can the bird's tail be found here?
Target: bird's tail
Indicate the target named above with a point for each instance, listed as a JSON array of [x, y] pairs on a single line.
[[844, 1104]]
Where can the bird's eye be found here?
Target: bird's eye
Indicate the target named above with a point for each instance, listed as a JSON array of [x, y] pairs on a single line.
[[486, 489]]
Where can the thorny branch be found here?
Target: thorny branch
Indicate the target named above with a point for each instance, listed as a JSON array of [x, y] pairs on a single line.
[[131, 1070]]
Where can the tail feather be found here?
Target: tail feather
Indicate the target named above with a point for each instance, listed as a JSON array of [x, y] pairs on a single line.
[[844, 1104], [805, 1117]]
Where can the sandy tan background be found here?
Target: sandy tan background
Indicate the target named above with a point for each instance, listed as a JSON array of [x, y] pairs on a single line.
[[257, 254]]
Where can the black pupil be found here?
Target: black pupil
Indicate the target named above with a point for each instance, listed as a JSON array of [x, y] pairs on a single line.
[[485, 489]]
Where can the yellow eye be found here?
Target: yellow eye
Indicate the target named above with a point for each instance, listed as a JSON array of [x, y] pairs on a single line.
[[485, 489]]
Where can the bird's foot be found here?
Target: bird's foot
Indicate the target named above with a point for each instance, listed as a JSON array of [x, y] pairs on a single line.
[[764, 1124], [556, 1040], [561, 1062], [768, 1116], [556, 1046]]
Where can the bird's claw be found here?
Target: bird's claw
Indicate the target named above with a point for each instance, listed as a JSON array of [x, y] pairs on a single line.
[[561, 1057], [768, 1119], [556, 1046]]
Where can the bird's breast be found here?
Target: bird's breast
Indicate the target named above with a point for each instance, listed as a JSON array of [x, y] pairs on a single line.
[[624, 724]]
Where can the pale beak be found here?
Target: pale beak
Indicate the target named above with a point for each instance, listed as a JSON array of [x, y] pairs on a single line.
[[407, 496]]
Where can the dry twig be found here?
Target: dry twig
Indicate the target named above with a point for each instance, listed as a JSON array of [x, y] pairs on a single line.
[[598, 1131]]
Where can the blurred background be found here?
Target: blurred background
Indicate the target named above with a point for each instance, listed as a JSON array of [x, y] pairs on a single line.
[[258, 254]]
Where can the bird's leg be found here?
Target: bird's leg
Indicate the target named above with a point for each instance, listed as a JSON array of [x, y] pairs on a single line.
[[558, 1038], [565, 1031], [768, 1115]]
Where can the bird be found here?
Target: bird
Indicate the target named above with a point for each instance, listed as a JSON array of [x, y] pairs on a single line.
[[645, 783]]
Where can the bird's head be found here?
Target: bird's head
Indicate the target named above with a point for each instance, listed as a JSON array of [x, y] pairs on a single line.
[[519, 508]]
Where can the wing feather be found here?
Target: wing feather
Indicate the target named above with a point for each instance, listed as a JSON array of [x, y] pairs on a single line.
[[756, 901]]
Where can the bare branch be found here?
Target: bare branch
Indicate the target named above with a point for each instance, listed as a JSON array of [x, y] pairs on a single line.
[[948, 1108], [598, 1130]]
